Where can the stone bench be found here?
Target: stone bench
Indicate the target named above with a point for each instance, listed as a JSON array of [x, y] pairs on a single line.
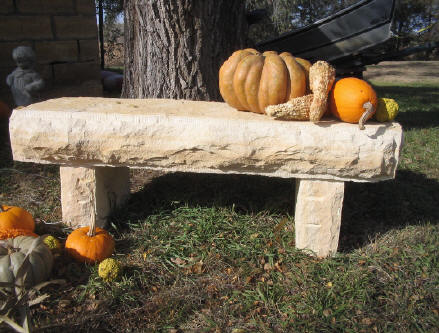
[[97, 140]]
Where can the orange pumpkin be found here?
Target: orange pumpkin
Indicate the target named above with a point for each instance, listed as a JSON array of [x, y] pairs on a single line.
[[12, 233], [250, 81], [5, 112], [348, 100], [89, 244], [12, 217]]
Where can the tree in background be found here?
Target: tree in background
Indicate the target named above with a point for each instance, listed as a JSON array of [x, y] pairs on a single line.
[[174, 49], [110, 30], [415, 22]]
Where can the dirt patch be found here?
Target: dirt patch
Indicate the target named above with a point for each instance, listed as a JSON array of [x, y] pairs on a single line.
[[404, 72]]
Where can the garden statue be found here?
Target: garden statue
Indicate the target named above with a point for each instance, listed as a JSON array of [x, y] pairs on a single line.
[[24, 81]]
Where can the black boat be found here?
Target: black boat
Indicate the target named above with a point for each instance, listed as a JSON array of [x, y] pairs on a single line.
[[340, 38]]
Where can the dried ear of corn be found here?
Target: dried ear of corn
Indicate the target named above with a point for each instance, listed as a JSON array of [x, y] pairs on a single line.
[[321, 78], [295, 109], [308, 107]]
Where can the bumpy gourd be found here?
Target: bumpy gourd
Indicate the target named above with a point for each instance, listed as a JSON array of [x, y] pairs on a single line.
[[250, 81], [12, 217], [387, 109], [12, 255], [52, 243], [109, 269]]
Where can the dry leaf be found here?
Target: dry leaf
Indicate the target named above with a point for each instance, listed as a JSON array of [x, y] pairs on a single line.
[[178, 261], [366, 321], [268, 267]]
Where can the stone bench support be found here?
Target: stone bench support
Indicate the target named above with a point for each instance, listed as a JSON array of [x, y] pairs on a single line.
[[318, 215], [97, 140], [96, 190]]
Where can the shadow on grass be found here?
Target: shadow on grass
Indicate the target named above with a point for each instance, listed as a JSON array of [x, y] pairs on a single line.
[[369, 209], [419, 106], [418, 119], [245, 194], [375, 208]]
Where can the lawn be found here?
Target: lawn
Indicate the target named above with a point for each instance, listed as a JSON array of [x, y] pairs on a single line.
[[215, 253]]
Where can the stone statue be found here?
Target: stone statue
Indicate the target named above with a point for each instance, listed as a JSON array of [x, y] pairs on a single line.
[[24, 81]]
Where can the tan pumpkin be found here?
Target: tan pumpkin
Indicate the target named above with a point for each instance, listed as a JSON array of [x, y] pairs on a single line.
[[306, 66], [250, 81]]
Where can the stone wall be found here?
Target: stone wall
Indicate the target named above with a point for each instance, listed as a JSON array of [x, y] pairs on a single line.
[[63, 34]]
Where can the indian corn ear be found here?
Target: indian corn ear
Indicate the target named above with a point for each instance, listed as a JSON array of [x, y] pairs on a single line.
[[312, 106]]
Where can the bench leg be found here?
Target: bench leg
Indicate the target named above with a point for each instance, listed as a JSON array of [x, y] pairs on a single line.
[[82, 188], [318, 215]]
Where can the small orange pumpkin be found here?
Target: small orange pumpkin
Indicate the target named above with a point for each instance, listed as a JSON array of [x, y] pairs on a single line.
[[250, 81], [12, 217], [349, 99], [12, 233], [89, 244]]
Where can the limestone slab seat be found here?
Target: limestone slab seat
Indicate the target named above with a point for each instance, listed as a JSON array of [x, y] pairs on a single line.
[[96, 140]]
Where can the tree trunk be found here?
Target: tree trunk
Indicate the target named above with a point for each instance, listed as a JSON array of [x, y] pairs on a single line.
[[101, 33], [174, 49]]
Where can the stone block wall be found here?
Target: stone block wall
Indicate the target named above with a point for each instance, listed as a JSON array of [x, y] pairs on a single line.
[[63, 34]]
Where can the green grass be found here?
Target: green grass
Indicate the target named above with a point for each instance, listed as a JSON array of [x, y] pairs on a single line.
[[214, 253]]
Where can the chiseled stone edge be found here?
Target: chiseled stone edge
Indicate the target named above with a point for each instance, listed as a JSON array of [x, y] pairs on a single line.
[[48, 118]]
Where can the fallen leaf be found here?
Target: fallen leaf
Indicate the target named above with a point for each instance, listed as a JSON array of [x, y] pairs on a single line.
[[366, 321], [178, 261], [268, 267]]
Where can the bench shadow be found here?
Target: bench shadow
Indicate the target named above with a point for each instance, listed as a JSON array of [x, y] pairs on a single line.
[[424, 98], [246, 194], [369, 209], [418, 119]]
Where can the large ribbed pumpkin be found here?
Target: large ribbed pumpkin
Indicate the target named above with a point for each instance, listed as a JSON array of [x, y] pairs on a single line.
[[349, 97], [250, 81]]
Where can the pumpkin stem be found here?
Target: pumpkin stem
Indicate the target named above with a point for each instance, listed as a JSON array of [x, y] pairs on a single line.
[[366, 114], [92, 228], [2, 209]]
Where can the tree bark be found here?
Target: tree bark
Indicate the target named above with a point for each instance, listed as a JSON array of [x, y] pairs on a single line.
[[174, 49]]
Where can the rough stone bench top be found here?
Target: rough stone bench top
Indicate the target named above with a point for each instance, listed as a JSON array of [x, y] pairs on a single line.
[[208, 137]]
